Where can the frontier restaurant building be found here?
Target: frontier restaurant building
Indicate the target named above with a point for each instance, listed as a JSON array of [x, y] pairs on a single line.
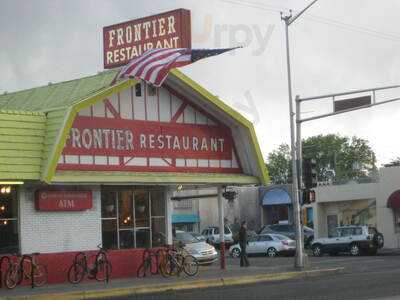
[[85, 163]]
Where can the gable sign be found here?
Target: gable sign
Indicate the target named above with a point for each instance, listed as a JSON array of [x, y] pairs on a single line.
[[119, 137], [144, 132], [125, 41]]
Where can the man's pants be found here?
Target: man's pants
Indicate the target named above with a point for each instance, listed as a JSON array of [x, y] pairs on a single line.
[[243, 256]]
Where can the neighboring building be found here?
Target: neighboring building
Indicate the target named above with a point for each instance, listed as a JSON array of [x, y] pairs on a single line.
[[375, 204], [199, 212], [276, 204]]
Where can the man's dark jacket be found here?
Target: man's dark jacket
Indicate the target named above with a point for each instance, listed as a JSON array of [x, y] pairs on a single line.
[[242, 236]]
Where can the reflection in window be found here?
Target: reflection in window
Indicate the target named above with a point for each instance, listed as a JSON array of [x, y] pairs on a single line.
[[109, 234], [126, 239], [142, 209], [108, 204], [125, 209], [158, 232], [143, 238], [9, 222]]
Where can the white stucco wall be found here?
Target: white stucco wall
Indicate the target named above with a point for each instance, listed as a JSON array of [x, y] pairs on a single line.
[[50, 232], [389, 183]]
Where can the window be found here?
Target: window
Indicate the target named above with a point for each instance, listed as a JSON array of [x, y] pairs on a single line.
[[264, 238], [151, 90], [9, 242], [356, 231], [138, 90], [183, 203], [132, 218], [345, 231]]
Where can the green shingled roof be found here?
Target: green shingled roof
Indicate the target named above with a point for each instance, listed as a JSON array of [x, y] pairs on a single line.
[[56, 95]]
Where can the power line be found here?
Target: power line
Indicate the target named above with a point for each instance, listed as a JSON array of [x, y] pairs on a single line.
[[319, 19]]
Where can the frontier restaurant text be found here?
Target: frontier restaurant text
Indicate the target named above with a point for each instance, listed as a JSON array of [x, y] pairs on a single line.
[[125, 41]]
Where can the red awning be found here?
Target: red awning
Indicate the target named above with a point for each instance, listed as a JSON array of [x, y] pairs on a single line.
[[394, 200]]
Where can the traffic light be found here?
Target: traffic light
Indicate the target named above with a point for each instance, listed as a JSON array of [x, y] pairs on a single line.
[[309, 173], [308, 196]]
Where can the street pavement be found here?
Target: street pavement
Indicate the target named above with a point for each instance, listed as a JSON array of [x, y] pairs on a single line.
[[365, 277]]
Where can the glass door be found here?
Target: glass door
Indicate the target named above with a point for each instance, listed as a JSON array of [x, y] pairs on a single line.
[[9, 239]]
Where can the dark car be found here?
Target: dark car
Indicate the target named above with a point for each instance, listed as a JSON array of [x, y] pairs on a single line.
[[289, 231]]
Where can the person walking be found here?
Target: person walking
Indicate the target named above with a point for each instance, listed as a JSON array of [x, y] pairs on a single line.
[[244, 262]]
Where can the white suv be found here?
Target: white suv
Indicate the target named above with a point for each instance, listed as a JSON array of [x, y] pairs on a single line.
[[212, 235], [352, 239]]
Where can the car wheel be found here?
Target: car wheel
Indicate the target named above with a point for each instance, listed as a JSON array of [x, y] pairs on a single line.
[[354, 250], [271, 252], [235, 252], [317, 250]]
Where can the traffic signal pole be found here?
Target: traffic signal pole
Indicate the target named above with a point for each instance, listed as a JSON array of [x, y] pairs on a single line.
[[296, 176]]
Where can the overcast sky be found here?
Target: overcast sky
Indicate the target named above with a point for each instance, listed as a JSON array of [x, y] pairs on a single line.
[[338, 45]]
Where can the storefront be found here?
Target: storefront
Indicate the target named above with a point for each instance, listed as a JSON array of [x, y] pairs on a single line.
[[276, 203], [85, 163]]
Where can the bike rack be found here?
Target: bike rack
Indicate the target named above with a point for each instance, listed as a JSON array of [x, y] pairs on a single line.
[[2, 259], [30, 258]]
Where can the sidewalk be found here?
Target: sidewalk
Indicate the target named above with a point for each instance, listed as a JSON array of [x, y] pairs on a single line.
[[210, 276]]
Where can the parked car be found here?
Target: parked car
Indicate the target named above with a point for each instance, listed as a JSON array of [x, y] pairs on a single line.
[[268, 244], [352, 239], [203, 252], [212, 235], [198, 236], [289, 231]]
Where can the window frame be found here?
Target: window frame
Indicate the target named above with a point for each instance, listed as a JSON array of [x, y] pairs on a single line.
[[134, 228], [17, 219]]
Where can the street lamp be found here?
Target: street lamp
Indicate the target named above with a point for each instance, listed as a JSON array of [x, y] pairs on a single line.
[[296, 168]]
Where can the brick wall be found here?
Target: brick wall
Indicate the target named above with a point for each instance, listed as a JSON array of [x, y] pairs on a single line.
[[49, 232]]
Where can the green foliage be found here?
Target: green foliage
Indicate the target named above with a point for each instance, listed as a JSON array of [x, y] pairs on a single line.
[[279, 165], [337, 157]]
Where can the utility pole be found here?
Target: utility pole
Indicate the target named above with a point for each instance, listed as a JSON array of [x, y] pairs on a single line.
[[296, 183]]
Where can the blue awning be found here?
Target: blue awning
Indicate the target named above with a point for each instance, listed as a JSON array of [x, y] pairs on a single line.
[[194, 218], [276, 196]]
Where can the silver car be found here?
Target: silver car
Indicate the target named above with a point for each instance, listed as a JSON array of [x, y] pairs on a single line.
[[268, 244], [203, 252]]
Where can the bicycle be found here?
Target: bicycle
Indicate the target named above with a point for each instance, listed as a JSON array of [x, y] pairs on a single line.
[[25, 267], [177, 260], [100, 270], [150, 264]]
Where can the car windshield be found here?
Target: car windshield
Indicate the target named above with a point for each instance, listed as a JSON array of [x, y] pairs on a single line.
[[186, 237]]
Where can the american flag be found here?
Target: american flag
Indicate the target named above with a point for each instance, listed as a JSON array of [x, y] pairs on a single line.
[[153, 66]]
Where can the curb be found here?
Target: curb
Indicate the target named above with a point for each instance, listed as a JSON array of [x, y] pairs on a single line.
[[197, 284]]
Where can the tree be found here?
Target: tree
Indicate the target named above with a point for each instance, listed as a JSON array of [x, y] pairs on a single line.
[[337, 157], [279, 165]]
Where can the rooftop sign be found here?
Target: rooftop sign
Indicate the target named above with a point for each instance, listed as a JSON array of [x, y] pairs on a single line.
[[125, 41]]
